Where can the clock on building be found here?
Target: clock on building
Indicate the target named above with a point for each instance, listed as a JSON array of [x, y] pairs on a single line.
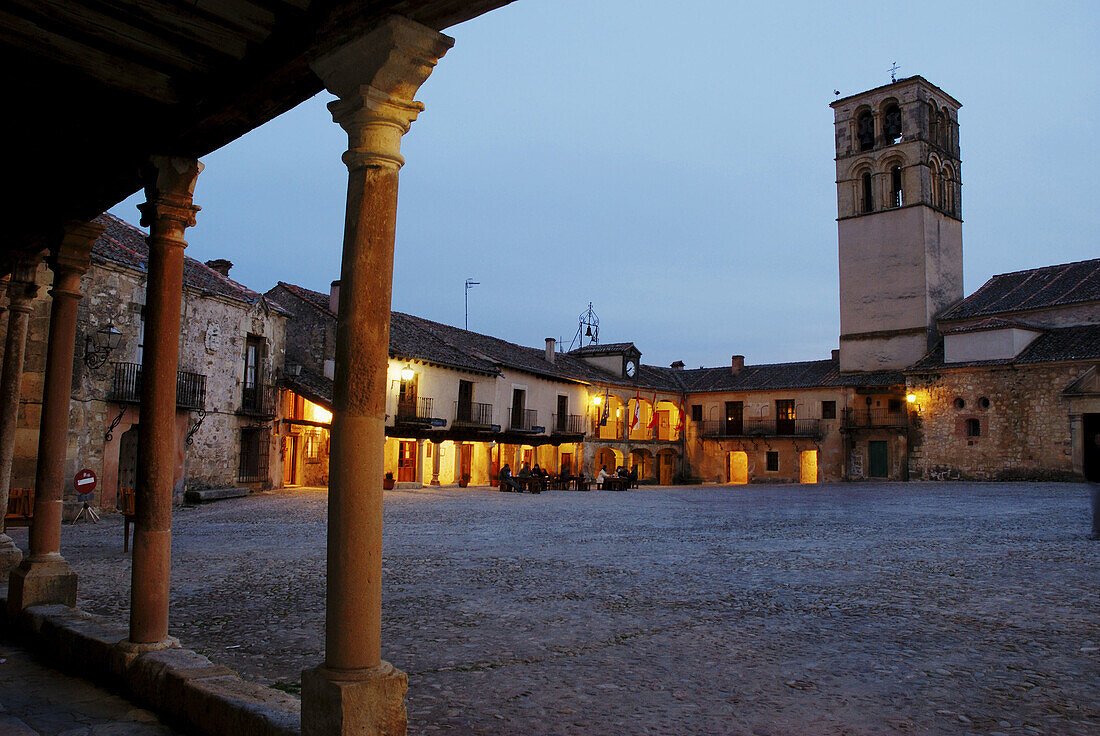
[[631, 368]]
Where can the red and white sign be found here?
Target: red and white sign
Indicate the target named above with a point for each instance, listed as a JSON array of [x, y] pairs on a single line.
[[84, 481]]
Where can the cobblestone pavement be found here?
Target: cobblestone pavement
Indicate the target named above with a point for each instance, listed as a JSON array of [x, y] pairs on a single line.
[[38, 701], [854, 609]]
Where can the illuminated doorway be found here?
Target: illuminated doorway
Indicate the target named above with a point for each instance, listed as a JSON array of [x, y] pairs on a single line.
[[737, 470], [807, 466]]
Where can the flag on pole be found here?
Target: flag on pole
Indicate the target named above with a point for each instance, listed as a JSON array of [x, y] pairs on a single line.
[[634, 419], [653, 418], [680, 424], [606, 410]]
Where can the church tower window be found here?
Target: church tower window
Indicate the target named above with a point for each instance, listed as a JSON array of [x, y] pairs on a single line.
[[892, 124], [865, 131], [897, 198], [868, 193]]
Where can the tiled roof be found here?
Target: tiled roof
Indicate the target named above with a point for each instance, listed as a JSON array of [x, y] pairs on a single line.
[[1036, 288], [993, 323], [315, 298], [1080, 342], [611, 348], [124, 245], [315, 387], [776, 376]]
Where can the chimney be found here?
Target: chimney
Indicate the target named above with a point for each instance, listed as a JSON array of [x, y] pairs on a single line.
[[678, 365], [737, 363], [551, 343], [221, 265], [334, 297], [835, 354]]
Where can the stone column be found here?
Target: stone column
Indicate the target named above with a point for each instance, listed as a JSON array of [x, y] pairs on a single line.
[[457, 474], [22, 290], [420, 462], [435, 462], [375, 78], [45, 576], [168, 211]]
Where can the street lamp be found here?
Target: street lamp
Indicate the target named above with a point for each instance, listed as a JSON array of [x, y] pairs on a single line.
[[98, 347], [407, 373]]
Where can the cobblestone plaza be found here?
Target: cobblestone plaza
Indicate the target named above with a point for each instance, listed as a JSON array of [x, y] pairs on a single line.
[[858, 609]]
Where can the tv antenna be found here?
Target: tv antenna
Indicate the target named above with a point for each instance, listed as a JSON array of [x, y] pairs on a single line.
[[470, 283], [893, 72], [588, 326]]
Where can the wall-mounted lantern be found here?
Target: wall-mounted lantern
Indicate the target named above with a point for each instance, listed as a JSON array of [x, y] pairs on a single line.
[[98, 347], [407, 373]]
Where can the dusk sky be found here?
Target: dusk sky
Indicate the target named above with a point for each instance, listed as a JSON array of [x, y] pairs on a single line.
[[672, 163]]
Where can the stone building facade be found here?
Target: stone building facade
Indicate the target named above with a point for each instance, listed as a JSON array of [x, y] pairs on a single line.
[[222, 429]]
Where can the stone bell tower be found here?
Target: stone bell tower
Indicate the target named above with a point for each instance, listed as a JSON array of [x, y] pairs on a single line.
[[899, 207]]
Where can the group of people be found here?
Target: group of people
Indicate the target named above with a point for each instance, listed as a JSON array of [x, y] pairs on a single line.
[[620, 472], [509, 483]]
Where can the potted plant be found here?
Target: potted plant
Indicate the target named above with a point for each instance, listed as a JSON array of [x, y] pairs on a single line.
[[464, 480], [387, 483]]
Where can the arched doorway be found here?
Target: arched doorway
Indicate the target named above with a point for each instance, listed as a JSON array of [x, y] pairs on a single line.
[[608, 458], [737, 467], [643, 461]]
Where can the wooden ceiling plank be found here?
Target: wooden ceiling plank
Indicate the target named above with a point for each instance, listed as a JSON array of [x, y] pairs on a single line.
[[103, 31], [183, 23], [100, 66], [251, 19]]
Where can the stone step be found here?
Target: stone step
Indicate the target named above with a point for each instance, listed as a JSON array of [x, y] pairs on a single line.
[[213, 494]]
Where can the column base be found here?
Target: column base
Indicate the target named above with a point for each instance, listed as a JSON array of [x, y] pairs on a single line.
[[368, 702], [38, 581], [434, 483], [10, 555]]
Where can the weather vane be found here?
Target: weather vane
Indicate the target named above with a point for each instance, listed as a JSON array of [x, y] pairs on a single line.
[[893, 72]]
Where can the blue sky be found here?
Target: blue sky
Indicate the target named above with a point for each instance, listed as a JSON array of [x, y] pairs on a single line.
[[673, 164]]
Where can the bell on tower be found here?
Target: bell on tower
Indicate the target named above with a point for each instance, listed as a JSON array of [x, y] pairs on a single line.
[[899, 215]]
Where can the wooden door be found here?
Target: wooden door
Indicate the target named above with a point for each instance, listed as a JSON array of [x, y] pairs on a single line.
[[735, 418], [878, 465], [466, 460], [664, 428], [665, 467], [406, 462], [290, 461], [565, 467]]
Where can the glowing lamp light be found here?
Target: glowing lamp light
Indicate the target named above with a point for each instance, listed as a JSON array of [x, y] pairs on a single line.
[[407, 373], [911, 398], [597, 400]]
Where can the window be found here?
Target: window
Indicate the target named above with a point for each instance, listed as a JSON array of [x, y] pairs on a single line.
[[973, 428], [984, 402], [254, 451], [465, 401], [897, 199], [894, 406], [828, 410], [141, 336], [960, 403], [865, 130], [563, 413], [784, 416], [867, 198], [313, 445], [773, 461], [735, 414], [519, 398], [696, 412], [891, 124]]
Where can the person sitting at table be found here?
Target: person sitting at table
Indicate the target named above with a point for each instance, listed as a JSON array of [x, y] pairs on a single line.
[[601, 476], [507, 479], [633, 477], [537, 471], [621, 472], [525, 471]]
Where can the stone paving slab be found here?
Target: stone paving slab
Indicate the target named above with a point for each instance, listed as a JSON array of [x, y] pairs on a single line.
[[36, 700], [950, 608]]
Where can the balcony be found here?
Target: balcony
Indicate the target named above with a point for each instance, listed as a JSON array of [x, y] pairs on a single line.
[[258, 400], [471, 415], [524, 420], [718, 429], [613, 430], [866, 418], [566, 424], [126, 387], [415, 412]]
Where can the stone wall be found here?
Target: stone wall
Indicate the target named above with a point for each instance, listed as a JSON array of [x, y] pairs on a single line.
[[1024, 430]]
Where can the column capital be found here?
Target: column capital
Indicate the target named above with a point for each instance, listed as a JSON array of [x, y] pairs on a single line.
[[71, 256], [375, 78], [23, 286], [169, 194]]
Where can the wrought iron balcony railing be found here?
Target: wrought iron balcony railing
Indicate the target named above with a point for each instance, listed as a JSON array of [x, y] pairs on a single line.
[[567, 424], [523, 420], [258, 400], [414, 411], [760, 428], [473, 415], [126, 387], [854, 418]]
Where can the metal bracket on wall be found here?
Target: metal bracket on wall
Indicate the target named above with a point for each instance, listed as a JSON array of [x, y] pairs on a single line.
[[114, 423], [194, 427]]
